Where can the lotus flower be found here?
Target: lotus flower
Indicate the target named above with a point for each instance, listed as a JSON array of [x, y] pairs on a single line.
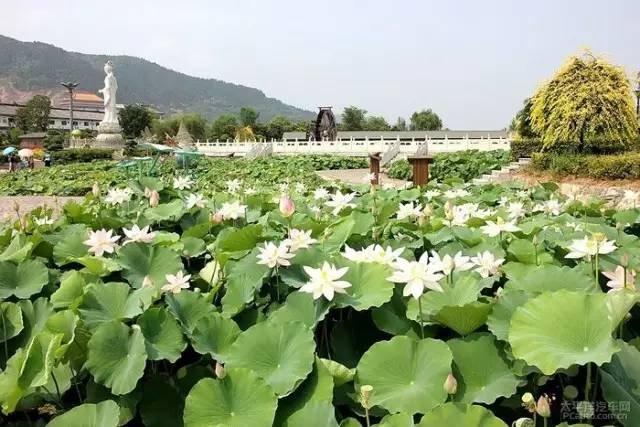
[[232, 210], [101, 241], [136, 234], [182, 183], [487, 264], [324, 281], [588, 247], [117, 196], [274, 256], [286, 206], [299, 239], [340, 201], [176, 282], [418, 276]]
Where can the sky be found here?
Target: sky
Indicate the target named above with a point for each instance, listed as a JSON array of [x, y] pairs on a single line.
[[472, 62]]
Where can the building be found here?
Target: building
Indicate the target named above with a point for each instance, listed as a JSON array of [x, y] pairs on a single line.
[[32, 140], [82, 100], [84, 119]]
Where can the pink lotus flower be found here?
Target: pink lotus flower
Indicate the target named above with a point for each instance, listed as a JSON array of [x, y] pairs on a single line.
[[287, 207]]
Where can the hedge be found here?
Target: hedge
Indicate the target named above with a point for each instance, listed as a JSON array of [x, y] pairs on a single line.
[[612, 166], [526, 147], [82, 155]]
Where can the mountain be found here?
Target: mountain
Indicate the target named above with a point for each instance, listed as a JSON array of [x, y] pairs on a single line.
[[29, 68]]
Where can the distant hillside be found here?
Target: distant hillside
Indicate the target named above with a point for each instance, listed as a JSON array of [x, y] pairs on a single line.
[[30, 68]]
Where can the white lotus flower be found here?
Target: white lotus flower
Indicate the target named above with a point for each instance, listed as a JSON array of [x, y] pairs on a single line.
[[283, 187], [340, 201], [176, 283], [233, 210], [455, 215], [492, 229], [45, 220], [409, 210], [321, 193], [195, 199], [387, 256], [620, 278], [233, 185], [182, 183], [588, 247], [369, 177], [300, 187], [551, 207], [325, 281], [522, 194], [136, 234], [455, 193], [117, 196], [102, 241], [487, 264], [299, 239], [274, 256], [447, 264], [516, 210], [417, 275], [250, 191], [430, 194], [363, 255], [575, 225]]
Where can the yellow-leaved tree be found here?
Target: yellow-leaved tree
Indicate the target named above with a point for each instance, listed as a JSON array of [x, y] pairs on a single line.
[[588, 100]]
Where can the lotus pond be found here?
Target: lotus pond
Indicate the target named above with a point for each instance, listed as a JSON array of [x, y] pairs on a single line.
[[162, 305]]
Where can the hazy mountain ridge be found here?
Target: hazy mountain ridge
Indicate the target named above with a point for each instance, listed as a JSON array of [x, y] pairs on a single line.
[[27, 68]]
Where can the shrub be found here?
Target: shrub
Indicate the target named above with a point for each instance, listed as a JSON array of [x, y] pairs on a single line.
[[82, 155], [400, 169], [613, 166], [526, 147]]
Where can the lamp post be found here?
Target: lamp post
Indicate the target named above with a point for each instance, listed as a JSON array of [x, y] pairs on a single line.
[[70, 87]]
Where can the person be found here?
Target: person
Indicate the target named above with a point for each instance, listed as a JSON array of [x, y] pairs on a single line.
[[30, 162], [47, 160], [12, 162]]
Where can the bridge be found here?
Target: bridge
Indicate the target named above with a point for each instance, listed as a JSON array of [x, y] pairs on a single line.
[[353, 147]]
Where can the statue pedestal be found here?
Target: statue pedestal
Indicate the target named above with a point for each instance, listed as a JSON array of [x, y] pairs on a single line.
[[109, 136]]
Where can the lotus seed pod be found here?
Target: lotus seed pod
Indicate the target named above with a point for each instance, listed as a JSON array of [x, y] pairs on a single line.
[[542, 408], [287, 207], [527, 398], [570, 392], [524, 422], [450, 384], [365, 395]]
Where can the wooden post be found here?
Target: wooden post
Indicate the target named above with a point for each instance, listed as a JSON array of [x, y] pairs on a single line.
[[374, 167], [420, 169]]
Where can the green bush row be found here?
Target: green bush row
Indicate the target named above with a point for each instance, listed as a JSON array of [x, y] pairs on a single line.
[[611, 166], [82, 155], [464, 165]]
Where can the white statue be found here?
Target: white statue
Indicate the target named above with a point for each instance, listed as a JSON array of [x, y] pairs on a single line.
[[109, 94]]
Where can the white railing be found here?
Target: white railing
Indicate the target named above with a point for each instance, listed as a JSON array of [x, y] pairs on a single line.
[[350, 148]]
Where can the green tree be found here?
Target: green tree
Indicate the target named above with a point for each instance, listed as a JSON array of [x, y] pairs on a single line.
[[134, 119], [425, 120], [223, 128], [195, 123], [521, 124], [54, 141], [587, 100], [34, 116], [374, 123], [353, 118], [248, 116], [277, 126]]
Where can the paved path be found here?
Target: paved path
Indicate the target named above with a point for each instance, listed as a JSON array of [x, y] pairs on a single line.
[[356, 176], [28, 203]]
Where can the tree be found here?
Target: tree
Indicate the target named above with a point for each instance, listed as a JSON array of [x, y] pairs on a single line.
[[223, 128], [248, 116], [195, 123], [54, 141], [353, 118], [34, 116], [277, 126], [401, 125], [521, 124], [425, 120], [587, 100], [373, 123], [134, 119]]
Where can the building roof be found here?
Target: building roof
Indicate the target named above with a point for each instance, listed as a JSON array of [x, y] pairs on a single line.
[[56, 113], [391, 134], [33, 135], [87, 97]]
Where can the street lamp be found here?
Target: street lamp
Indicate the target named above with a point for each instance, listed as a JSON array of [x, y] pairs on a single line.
[[70, 87]]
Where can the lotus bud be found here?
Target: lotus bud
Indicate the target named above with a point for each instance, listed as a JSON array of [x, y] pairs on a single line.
[[535, 240], [154, 198], [219, 370], [529, 402], [450, 384], [287, 207], [16, 207], [542, 408], [365, 395], [147, 191], [147, 282], [428, 210], [217, 218], [95, 190]]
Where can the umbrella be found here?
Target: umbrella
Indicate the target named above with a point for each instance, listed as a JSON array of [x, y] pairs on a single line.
[[8, 151], [25, 152]]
